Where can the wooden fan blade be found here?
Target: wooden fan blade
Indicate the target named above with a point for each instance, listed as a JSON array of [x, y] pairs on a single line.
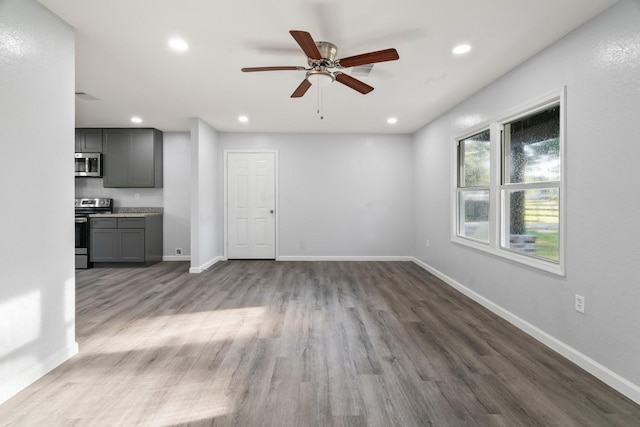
[[369, 58], [307, 44], [353, 83], [282, 68], [302, 89]]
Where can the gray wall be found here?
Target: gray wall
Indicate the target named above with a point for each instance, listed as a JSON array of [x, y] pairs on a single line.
[[339, 195], [37, 281], [177, 195], [122, 197], [206, 199], [600, 66]]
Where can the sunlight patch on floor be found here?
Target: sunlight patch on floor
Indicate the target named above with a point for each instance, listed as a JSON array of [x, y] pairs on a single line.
[[178, 330], [185, 406]]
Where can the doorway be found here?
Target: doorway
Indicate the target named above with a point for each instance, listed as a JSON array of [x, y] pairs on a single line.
[[251, 199]]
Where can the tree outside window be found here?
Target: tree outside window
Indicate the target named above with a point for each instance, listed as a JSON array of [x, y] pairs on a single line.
[[531, 184]]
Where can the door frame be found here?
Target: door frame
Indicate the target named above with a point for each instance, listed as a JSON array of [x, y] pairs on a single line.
[[276, 192]]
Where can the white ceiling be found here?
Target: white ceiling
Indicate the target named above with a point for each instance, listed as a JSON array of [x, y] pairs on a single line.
[[122, 58]]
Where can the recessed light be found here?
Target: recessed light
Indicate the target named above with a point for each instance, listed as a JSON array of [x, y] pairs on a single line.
[[178, 44], [243, 119], [392, 120], [461, 49], [136, 119]]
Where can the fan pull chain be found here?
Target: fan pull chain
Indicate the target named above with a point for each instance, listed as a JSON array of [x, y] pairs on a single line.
[[320, 103]]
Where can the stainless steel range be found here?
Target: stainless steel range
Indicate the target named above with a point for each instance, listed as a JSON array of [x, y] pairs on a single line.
[[84, 208]]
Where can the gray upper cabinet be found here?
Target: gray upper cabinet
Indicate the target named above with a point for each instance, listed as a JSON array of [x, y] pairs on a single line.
[[132, 158], [88, 140], [116, 159]]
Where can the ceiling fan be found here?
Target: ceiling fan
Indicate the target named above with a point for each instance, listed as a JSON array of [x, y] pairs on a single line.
[[321, 57]]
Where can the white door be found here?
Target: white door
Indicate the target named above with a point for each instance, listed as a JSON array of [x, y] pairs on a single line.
[[251, 219]]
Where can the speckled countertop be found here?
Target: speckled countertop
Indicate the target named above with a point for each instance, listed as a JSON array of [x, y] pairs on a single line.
[[125, 212], [124, 215]]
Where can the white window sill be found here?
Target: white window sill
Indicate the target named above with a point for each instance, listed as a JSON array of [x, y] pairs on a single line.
[[537, 263]]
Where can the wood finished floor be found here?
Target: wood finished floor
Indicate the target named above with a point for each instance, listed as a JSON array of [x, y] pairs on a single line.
[[260, 343]]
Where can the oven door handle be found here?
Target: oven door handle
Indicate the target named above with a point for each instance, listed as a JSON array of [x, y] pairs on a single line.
[[81, 220]]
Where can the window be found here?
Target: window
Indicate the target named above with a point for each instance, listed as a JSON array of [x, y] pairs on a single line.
[[473, 186], [509, 187], [531, 184]]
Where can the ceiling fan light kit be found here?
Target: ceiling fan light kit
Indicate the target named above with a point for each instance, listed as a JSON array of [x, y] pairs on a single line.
[[321, 78], [321, 58]]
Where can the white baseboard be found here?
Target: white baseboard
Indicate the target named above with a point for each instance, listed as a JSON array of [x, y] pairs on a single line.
[[206, 265], [343, 258], [604, 374], [9, 387], [176, 257]]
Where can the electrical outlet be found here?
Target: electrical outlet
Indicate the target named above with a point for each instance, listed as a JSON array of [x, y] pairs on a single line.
[[136, 196], [428, 243], [579, 303], [178, 251]]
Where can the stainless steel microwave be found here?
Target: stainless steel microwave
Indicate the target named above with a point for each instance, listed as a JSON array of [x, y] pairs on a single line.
[[89, 164]]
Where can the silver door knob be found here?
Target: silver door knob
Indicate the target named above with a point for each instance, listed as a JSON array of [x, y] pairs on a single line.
[[271, 211]]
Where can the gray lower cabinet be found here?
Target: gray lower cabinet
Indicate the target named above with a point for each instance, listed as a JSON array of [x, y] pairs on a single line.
[[129, 239], [131, 245], [132, 158], [104, 244]]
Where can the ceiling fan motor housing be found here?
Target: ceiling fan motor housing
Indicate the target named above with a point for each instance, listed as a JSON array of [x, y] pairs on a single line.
[[328, 51]]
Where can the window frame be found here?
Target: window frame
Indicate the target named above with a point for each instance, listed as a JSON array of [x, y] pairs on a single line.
[[496, 187], [460, 188]]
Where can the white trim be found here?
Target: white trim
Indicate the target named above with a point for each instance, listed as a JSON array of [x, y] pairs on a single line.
[[604, 374], [277, 198], [12, 386], [510, 255], [343, 258], [496, 216], [176, 257], [206, 265], [453, 184]]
